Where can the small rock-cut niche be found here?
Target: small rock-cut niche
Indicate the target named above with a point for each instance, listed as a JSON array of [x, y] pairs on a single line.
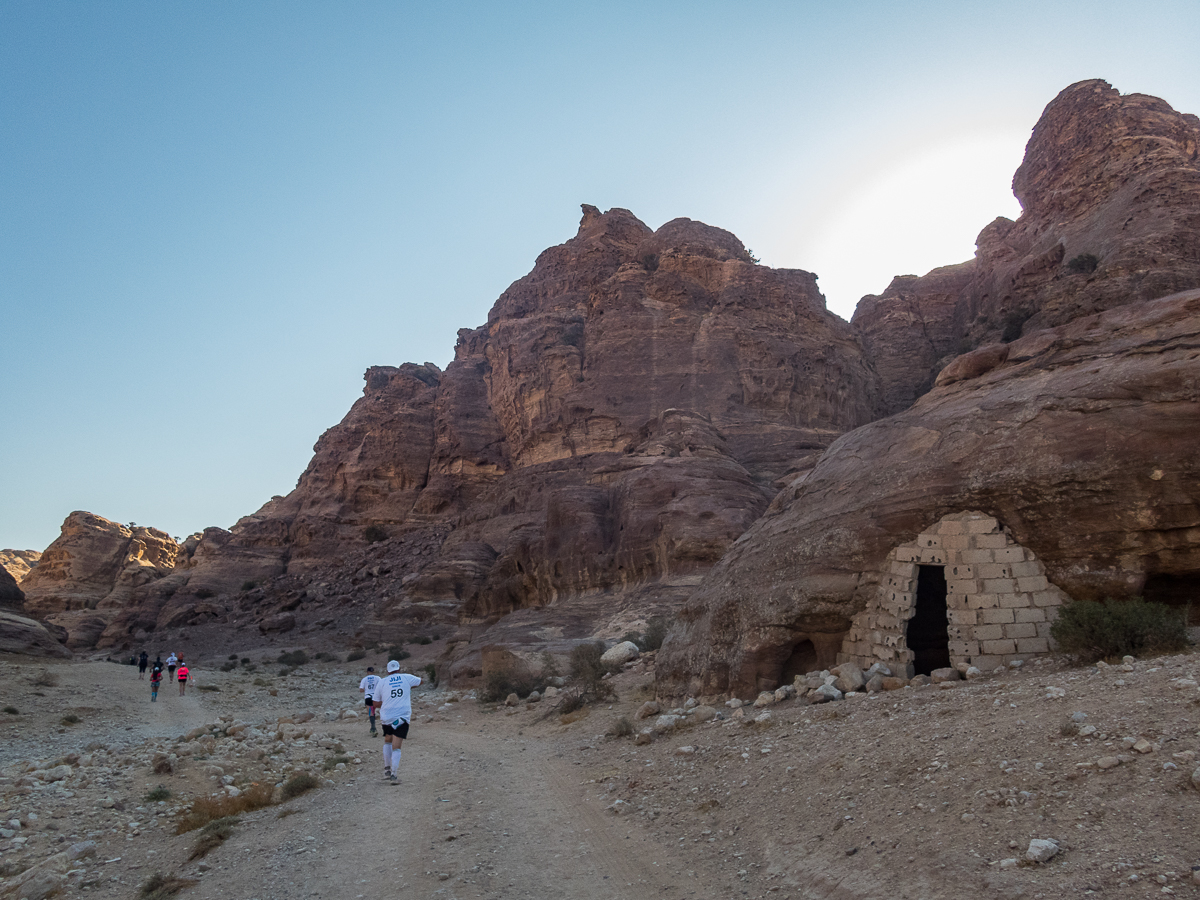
[[802, 661]]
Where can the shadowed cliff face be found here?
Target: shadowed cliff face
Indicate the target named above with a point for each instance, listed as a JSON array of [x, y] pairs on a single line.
[[1080, 439], [1113, 177]]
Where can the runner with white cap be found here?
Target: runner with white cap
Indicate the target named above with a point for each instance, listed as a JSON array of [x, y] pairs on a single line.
[[394, 701]]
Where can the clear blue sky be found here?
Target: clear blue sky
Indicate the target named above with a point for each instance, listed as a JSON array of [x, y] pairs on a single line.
[[214, 216]]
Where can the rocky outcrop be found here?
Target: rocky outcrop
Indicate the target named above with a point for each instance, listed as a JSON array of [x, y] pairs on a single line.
[[1080, 440], [1110, 197], [11, 595], [624, 415], [93, 570], [18, 562], [19, 634]]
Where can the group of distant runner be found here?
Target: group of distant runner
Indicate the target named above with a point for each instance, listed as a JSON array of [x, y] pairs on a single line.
[[386, 697], [176, 669]]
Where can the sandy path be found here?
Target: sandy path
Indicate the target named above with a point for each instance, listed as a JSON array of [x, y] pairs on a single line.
[[111, 702], [473, 817]]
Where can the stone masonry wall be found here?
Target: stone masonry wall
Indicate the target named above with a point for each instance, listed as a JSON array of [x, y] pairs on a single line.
[[999, 603]]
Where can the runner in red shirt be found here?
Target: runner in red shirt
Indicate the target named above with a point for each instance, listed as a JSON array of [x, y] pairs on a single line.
[[182, 677]]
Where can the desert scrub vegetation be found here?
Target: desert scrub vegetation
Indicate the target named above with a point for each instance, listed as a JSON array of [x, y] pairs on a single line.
[[292, 658], [299, 784], [159, 886], [11, 711], [1089, 630], [209, 809], [156, 794], [373, 534], [212, 835], [356, 654], [586, 683], [650, 639]]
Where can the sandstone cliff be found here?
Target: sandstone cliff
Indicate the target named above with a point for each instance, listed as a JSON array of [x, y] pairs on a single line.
[[18, 563], [1110, 197], [1081, 440]]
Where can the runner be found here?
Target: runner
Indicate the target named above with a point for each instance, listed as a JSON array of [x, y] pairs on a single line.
[[143, 662], [395, 704], [366, 687], [182, 677], [172, 662], [155, 681]]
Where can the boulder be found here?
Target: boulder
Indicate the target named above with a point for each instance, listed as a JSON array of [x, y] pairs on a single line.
[[849, 677], [619, 654], [647, 709], [278, 623]]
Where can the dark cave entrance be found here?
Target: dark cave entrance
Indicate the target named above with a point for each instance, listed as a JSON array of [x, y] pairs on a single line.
[[802, 661], [928, 637], [1180, 591]]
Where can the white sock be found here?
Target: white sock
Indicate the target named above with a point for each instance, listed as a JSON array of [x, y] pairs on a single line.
[[387, 754], [395, 762]]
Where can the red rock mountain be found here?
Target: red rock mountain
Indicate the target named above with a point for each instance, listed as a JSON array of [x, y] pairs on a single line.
[[634, 404]]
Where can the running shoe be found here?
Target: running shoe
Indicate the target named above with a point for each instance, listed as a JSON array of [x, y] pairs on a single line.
[[393, 779]]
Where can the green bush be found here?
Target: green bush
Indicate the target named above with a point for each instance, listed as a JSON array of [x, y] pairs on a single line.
[[249, 585], [373, 534], [355, 654], [1090, 631], [397, 653], [293, 658], [158, 793], [12, 711], [1084, 264], [656, 632], [586, 683], [423, 640], [71, 719], [431, 674], [228, 666]]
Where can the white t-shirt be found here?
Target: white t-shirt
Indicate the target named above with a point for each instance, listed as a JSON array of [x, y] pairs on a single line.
[[171, 660], [367, 685], [393, 692]]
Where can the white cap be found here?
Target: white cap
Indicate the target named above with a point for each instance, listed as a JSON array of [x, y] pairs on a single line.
[[393, 666]]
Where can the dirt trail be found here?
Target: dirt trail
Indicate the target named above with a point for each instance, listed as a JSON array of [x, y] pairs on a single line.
[[474, 816]]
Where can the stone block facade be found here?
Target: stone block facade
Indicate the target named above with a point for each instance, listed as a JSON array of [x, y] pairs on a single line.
[[999, 604]]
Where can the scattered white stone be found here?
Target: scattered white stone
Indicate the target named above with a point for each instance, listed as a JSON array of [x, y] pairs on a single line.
[[1108, 762], [766, 698], [691, 703], [685, 751], [645, 711], [1041, 851], [1143, 746], [734, 703], [1055, 693], [1008, 863], [666, 723]]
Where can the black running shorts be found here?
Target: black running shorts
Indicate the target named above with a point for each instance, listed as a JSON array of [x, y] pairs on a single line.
[[400, 731]]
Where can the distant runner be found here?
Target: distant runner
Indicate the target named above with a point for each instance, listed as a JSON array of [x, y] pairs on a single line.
[[395, 704], [172, 662], [182, 677], [366, 687], [143, 662], [155, 681]]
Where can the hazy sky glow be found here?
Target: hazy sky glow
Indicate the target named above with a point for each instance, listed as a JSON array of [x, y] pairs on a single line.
[[214, 217]]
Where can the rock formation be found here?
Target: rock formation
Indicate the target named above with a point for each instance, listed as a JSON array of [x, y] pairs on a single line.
[[634, 403], [94, 568], [18, 563], [1110, 198], [1080, 440], [11, 595]]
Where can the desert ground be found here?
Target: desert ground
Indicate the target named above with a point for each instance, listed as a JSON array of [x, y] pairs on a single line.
[[926, 792]]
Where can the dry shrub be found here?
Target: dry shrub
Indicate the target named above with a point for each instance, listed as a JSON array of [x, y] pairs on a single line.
[[159, 886], [574, 716], [208, 809], [621, 727], [355, 654], [45, 678], [212, 836], [162, 766], [299, 784]]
